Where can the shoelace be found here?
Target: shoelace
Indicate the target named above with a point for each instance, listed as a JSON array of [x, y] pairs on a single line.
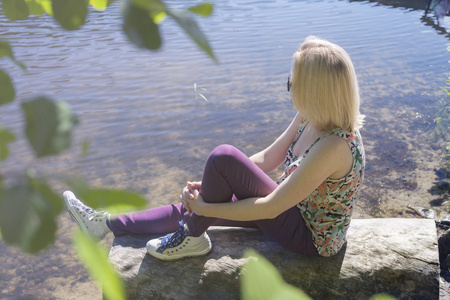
[[97, 213], [89, 211], [174, 239]]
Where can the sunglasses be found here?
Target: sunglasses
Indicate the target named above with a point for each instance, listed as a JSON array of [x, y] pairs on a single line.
[[289, 83]]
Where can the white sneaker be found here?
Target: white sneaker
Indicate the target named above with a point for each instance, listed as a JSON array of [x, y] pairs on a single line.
[[90, 221], [178, 245]]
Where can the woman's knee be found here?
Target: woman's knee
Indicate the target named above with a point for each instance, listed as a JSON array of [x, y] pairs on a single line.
[[224, 150], [222, 155]]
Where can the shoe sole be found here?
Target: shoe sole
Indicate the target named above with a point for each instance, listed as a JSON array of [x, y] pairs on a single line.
[[67, 197], [179, 256]]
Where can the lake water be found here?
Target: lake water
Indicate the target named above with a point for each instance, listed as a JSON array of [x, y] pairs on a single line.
[[148, 131]]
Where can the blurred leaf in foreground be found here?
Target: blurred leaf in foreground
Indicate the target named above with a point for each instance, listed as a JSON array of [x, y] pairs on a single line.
[[49, 125], [46, 5], [262, 281], [204, 9], [6, 50], [70, 14], [15, 9], [140, 27], [7, 91], [99, 4], [6, 137], [28, 212], [113, 201], [141, 19], [34, 7], [95, 259], [192, 29]]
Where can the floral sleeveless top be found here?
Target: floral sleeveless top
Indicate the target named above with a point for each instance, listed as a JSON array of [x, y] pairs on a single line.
[[327, 211]]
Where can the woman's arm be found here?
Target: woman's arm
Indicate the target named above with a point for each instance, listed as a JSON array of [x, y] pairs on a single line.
[[273, 156], [329, 156]]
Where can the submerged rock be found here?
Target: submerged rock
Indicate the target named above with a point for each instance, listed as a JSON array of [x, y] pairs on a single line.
[[394, 256]]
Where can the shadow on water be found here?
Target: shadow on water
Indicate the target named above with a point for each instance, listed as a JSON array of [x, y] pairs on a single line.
[[428, 18], [392, 157], [409, 4], [441, 187], [395, 158]]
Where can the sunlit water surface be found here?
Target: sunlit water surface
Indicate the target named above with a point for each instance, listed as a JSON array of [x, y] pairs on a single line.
[[148, 131]]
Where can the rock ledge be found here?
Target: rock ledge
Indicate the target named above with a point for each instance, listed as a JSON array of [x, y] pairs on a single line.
[[394, 256]]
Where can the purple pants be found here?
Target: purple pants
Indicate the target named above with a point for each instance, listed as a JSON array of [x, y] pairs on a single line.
[[229, 176]]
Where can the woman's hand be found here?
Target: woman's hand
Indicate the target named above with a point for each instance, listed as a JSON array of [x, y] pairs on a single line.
[[190, 192], [194, 203], [195, 185]]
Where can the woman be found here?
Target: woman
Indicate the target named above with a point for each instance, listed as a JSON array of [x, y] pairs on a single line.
[[310, 207]]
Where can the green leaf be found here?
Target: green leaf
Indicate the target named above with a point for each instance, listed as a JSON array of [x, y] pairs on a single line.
[[158, 17], [7, 91], [95, 260], [262, 281], [49, 125], [28, 214], [140, 27], [46, 5], [6, 50], [99, 4], [5, 138], [192, 29], [113, 201], [15, 9], [70, 14], [204, 9], [35, 7]]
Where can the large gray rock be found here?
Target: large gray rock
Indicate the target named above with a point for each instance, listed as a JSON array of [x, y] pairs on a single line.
[[394, 256]]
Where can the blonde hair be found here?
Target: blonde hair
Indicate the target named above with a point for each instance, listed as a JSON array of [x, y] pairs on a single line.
[[324, 87]]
